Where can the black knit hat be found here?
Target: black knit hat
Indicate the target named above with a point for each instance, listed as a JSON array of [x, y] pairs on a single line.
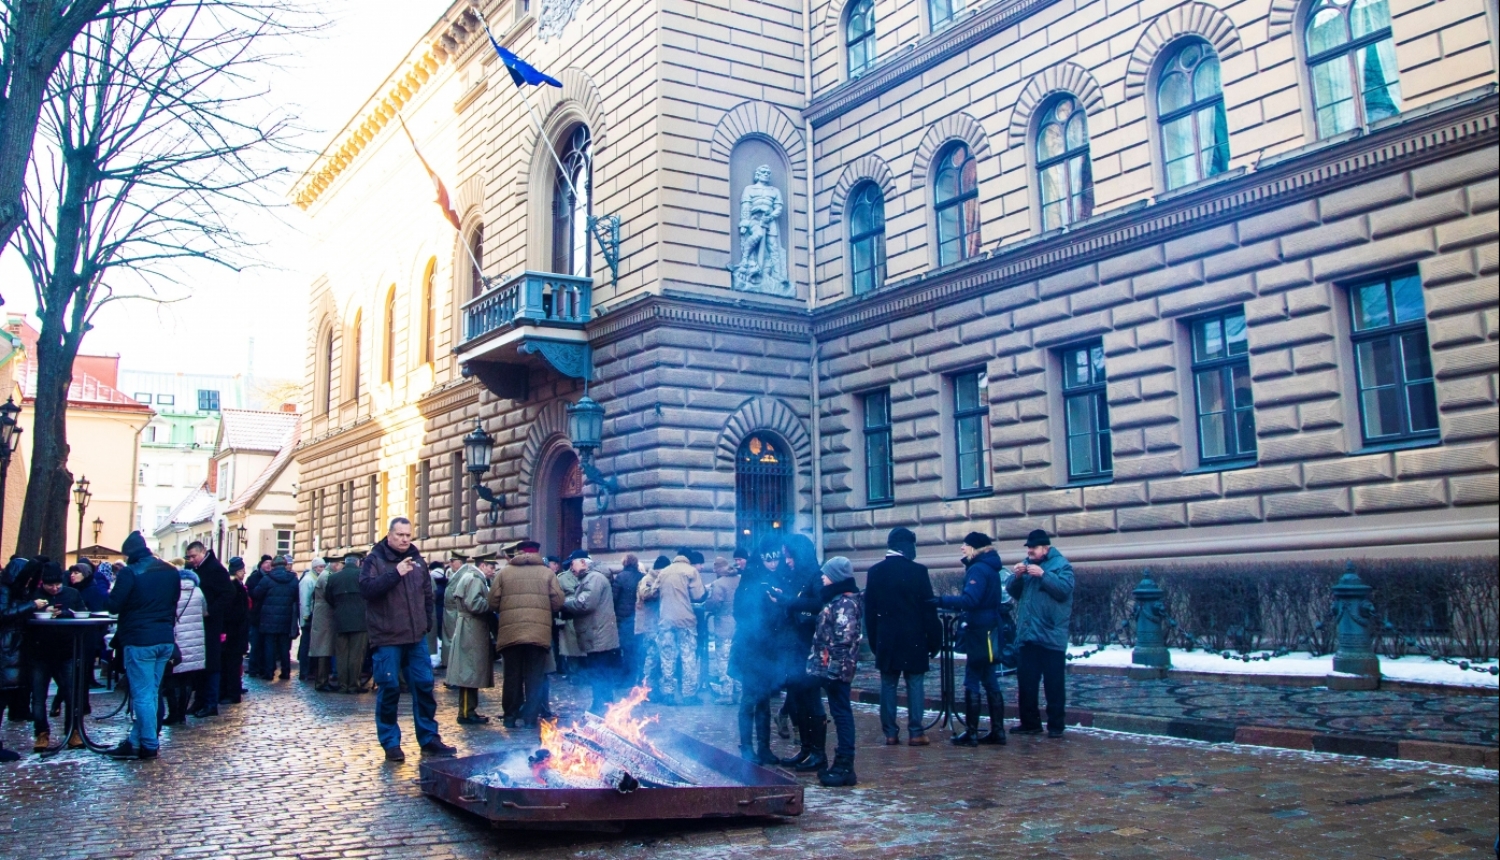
[[900, 538], [1038, 537], [977, 540], [236, 563], [741, 552], [661, 563], [52, 574]]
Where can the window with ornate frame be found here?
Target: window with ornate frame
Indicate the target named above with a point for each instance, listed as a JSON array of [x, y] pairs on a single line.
[[956, 204], [1190, 113], [866, 208], [1392, 359], [1351, 64], [859, 36], [1065, 173], [572, 203]]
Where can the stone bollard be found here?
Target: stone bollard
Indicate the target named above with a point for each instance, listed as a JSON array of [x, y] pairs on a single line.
[[1150, 660], [1355, 664]]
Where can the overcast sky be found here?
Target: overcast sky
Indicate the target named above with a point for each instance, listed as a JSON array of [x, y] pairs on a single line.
[[212, 331]]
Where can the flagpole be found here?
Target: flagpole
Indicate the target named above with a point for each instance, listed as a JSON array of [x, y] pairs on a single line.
[[467, 250], [535, 118]]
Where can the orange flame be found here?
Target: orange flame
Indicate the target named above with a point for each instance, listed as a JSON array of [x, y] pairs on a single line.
[[619, 718], [568, 759]]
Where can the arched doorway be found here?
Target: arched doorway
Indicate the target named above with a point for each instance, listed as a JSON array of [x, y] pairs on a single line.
[[762, 489], [560, 512]]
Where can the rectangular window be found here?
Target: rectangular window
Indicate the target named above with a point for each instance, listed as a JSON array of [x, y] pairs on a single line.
[[283, 542], [424, 475], [944, 12], [223, 483], [166, 476], [1397, 395], [1086, 413], [456, 493], [971, 409], [162, 513], [166, 400], [1221, 384], [142, 397], [208, 400], [879, 469]]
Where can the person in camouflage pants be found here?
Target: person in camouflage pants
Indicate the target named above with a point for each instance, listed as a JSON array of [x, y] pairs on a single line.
[[679, 588], [835, 653]]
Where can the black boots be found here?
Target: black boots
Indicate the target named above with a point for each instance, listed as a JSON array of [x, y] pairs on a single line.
[[996, 736], [815, 757], [970, 737], [841, 774]]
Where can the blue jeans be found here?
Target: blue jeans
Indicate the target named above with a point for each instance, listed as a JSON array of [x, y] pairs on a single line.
[[840, 708], [916, 690], [144, 667], [389, 662]]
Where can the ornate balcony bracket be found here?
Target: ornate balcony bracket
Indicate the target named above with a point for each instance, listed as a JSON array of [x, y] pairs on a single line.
[[507, 381], [570, 358]]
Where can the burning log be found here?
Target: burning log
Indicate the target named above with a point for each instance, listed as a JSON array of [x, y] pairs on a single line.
[[655, 768]]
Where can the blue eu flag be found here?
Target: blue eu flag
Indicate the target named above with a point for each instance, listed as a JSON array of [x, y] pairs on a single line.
[[522, 72]]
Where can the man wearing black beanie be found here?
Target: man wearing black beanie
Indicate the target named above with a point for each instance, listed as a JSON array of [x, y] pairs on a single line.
[[982, 601], [902, 622]]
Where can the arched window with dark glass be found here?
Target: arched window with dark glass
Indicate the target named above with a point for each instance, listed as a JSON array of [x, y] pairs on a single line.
[[956, 204], [859, 36], [356, 338], [572, 190], [1065, 175], [1351, 60], [476, 261], [866, 238], [1190, 109], [429, 313], [762, 489], [388, 364], [325, 371]]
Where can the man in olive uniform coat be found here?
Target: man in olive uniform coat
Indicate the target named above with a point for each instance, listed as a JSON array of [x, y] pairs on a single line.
[[471, 664]]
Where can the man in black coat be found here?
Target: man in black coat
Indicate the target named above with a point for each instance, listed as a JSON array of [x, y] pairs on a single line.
[[277, 597], [236, 635], [983, 602], [902, 622], [217, 595], [258, 663]]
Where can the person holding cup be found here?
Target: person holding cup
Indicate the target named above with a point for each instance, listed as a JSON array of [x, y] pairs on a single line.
[[50, 652]]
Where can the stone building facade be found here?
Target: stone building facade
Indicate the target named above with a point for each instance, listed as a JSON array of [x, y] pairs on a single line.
[[1167, 279]]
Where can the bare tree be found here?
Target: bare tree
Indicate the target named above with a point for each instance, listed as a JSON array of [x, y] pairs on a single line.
[[152, 137]]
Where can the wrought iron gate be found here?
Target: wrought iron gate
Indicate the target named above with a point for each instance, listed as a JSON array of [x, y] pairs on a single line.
[[762, 490]]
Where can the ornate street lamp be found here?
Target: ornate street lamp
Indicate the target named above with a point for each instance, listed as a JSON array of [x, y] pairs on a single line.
[[239, 532], [98, 529], [478, 450], [81, 497], [586, 433], [10, 439]]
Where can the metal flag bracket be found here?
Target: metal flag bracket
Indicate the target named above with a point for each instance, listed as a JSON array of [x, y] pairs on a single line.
[[606, 231]]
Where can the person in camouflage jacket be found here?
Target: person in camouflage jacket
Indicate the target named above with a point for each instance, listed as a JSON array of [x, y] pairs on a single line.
[[835, 653]]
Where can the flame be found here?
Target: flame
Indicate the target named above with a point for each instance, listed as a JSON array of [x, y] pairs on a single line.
[[568, 759], [619, 718]]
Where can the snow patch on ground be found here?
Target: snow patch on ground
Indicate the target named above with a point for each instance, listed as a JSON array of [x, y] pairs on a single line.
[[1416, 669]]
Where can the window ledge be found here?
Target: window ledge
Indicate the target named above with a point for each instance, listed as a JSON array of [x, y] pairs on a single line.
[[1400, 445], [1225, 466], [971, 494], [1089, 482]]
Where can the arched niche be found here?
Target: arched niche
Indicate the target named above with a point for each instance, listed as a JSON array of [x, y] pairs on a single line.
[[750, 153]]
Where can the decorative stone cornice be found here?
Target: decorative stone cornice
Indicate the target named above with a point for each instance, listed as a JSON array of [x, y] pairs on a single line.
[[919, 57], [449, 396], [446, 41], [702, 313], [1417, 139]]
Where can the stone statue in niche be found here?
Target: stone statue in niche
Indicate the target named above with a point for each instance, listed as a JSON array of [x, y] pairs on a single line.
[[762, 265]]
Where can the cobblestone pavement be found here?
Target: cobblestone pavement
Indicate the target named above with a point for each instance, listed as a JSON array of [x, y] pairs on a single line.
[[292, 773], [1459, 719]]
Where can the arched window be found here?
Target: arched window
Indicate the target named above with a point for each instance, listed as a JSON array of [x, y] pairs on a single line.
[[388, 355], [859, 36], [956, 201], [356, 344], [572, 193], [866, 238], [762, 489], [1190, 109], [325, 371], [1351, 59], [429, 313], [1065, 175], [476, 261]]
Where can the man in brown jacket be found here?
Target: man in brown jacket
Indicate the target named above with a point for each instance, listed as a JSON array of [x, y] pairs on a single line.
[[398, 612], [677, 630], [525, 594]]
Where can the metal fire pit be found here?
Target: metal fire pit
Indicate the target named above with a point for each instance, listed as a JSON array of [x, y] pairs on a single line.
[[728, 787]]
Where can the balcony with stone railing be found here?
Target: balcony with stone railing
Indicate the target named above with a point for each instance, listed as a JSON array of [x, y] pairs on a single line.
[[521, 321]]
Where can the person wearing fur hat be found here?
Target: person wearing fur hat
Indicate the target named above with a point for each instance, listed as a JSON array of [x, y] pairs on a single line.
[[902, 622], [981, 602]]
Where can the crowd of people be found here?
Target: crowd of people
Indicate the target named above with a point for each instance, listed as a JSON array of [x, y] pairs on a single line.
[[768, 630]]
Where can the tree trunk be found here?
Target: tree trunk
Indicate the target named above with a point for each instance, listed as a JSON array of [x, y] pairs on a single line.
[[44, 520]]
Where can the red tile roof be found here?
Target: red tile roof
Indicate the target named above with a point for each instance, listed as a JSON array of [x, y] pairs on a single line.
[[85, 391]]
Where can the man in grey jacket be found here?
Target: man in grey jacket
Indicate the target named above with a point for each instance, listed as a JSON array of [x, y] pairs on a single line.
[[1043, 590]]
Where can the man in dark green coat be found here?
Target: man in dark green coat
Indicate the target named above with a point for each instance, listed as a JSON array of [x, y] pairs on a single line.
[[350, 639], [1043, 590]]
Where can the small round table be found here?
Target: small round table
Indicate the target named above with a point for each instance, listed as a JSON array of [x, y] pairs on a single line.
[[84, 632]]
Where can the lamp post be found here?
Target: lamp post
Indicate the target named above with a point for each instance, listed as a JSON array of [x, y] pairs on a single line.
[[239, 533], [478, 450], [10, 439], [98, 529], [586, 433], [81, 497]]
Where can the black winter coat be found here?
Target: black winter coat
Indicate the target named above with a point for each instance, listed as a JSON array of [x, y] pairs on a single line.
[[624, 586], [252, 582], [900, 617], [760, 633], [277, 596], [15, 609], [213, 578], [145, 597]]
